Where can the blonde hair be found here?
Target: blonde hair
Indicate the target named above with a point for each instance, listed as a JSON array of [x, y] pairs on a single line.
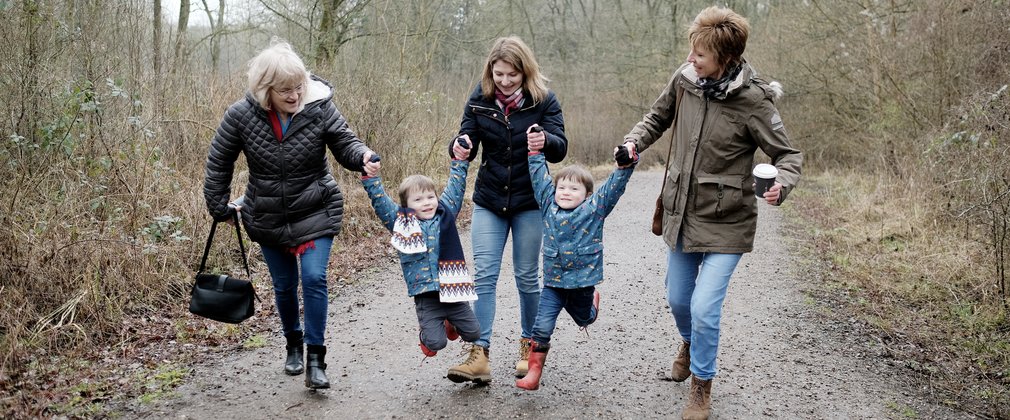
[[721, 31], [514, 51], [277, 65], [414, 183], [576, 173]]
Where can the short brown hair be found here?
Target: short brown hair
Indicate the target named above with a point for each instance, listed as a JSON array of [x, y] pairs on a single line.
[[577, 173], [514, 51], [721, 31], [414, 183]]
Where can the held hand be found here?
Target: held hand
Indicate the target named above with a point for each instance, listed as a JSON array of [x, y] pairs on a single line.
[[632, 150], [535, 138], [625, 156], [237, 211], [461, 147], [371, 164], [772, 195]]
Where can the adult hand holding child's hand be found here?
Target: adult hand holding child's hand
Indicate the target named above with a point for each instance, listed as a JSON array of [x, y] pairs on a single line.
[[535, 138]]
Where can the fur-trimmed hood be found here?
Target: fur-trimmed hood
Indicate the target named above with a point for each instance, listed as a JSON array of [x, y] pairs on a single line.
[[746, 76]]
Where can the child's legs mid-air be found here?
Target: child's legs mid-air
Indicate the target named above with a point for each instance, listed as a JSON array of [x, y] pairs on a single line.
[[431, 318], [581, 304]]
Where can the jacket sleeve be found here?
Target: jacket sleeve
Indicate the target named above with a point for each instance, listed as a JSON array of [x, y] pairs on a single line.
[[468, 126], [659, 118], [452, 196], [553, 121], [224, 150], [384, 206], [346, 147], [543, 185], [766, 126], [612, 189]]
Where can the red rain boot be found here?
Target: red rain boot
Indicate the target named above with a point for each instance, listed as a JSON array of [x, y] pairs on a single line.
[[531, 382]]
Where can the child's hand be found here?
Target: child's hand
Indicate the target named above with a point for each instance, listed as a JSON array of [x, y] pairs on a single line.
[[461, 147], [535, 138], [625, 155], [372, 164]]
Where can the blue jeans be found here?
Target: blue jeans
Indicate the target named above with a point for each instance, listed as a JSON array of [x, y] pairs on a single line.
[[284, 273], [489, 233], [696, 284], [577, 302]]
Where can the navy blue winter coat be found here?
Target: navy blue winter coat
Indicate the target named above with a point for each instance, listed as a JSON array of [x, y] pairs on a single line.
[[503, 180]]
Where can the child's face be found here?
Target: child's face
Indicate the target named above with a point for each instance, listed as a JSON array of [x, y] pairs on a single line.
[[569, 193], [423, 202]]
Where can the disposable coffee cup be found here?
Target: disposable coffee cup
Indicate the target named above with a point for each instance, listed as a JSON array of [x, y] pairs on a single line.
[[764, 178]]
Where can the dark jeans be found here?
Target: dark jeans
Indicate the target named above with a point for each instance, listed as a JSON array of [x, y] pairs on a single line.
[[431, 315]]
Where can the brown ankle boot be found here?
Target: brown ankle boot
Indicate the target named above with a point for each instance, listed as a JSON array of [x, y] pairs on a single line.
[[682, 364], [699, 401], [476, 368]]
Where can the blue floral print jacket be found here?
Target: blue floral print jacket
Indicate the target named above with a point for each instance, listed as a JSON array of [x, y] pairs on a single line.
[[573, 239], [420, 270]]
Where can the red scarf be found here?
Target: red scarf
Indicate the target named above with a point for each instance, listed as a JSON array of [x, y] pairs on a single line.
[[279, 129], [508, 103]]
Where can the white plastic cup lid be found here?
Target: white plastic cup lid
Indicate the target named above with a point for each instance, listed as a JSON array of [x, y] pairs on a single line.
[[766, 171]]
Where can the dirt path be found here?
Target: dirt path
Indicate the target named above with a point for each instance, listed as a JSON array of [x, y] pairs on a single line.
[[777, 359]]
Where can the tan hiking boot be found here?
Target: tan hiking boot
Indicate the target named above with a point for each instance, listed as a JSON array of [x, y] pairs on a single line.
[[682, 364], [523, 365], [699, 402], [476, 368]]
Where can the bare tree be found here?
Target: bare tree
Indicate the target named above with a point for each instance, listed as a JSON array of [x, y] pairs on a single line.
[[180, 40]]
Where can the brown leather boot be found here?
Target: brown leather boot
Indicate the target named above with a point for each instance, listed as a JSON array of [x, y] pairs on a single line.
[[682, 364], [476, 368], [699, 401], [522, 366]]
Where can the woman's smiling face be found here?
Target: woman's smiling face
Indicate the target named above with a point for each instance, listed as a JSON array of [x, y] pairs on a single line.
[[506, 77], [706, 63]]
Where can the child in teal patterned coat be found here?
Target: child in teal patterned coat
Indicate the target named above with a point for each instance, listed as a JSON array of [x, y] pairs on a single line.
[[573, 247], [423, 228]]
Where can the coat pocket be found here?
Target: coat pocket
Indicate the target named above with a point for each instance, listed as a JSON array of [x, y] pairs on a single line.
[[672, 185], [719, 199]]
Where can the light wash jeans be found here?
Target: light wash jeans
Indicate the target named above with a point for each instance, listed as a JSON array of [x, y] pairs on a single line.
[[577, 302], [696, 284], [489, 233], [284, 273]]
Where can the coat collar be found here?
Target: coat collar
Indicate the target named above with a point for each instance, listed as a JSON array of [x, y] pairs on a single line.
[[742, 79]]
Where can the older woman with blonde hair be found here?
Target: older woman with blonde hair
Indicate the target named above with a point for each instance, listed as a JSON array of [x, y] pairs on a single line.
[[508, 108], [292, 205], [722, 113]]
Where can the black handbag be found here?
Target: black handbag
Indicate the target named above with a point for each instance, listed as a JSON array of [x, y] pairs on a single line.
[[221, 297]]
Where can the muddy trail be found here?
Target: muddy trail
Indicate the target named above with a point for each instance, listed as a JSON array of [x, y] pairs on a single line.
[[778, 357]]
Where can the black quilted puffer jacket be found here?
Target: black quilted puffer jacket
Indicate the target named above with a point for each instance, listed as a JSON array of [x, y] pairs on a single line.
[[291, 197], [503, 182]]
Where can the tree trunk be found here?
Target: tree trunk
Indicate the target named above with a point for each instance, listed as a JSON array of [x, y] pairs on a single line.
[[180, 40]]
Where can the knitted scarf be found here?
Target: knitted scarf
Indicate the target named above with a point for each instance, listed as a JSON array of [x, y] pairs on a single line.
[[280, 127], [454, 281], [716, 89], [508, 103]]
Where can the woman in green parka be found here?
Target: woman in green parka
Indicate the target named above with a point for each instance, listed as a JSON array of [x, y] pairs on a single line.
[[725, 113]]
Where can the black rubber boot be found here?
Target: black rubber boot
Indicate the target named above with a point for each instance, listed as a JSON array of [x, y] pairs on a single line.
[[315, 372], [295, 363]]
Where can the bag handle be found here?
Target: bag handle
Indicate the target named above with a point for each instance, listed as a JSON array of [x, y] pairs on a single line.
[[673, 126], [210, 238]]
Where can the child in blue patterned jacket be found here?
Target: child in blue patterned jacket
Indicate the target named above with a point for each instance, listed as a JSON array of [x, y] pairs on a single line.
[[424, 234], [573, 246]]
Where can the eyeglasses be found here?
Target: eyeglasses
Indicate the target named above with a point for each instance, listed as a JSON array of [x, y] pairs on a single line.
[[289, 91]]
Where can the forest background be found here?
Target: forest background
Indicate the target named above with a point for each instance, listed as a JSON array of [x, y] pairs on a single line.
[[901, 108]]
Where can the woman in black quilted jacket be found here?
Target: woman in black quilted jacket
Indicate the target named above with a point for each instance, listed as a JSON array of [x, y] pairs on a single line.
[[292, 205]]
